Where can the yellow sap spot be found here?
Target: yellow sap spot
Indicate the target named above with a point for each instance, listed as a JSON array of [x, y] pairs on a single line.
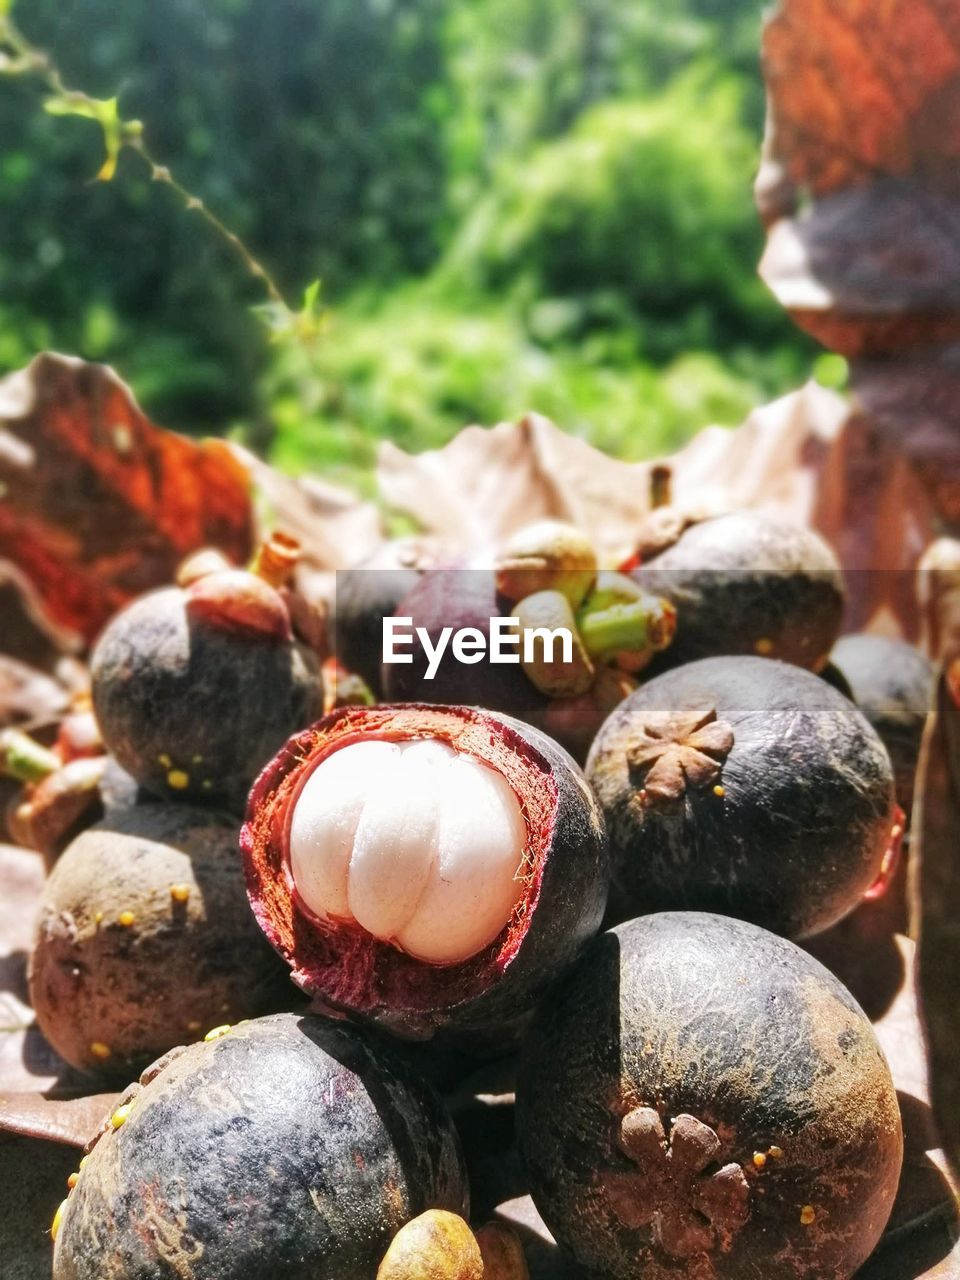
[[164, 759], [719, 791], [126, 918], [759, 1159], [73, 1180], [83, 1161], [180, 892], [807, 1215], [100, 1050], [775, 1152], [217, 1032], [178, 779], [98, 918], [121, 1115], [764, 647], [57, 1219]]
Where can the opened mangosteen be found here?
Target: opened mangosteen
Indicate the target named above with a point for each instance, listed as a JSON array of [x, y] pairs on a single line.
[[701, 1098], [747, 787], [145, 939], [748, 583], [288, 1148], [425, 867], [196, 686], [892, 684]]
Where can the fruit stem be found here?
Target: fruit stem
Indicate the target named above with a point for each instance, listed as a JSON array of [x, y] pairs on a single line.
[[24, 759], [618, 626], [276, 559], [661, 486]]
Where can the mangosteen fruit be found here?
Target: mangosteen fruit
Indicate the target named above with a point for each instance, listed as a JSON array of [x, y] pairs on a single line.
[[748, 583], [699, 1097], [458, 598], [425, 867], [615, 630], [744, 786], [370, 592], [892, 684], [145, 939], [195, 687], [284, 1148]]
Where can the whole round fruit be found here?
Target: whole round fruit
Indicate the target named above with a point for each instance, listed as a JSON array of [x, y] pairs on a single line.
[[747, 787], [568, 700], [370, 592], [892, 684], [289, 1148], [459, 598], [145, 939], [426, 867], [747, 583], [195, 688], [702, 1098]]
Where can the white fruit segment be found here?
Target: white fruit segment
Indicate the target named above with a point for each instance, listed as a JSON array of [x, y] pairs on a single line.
[[417, 844]]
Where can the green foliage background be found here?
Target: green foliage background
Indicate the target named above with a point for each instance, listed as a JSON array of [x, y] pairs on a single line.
[[512, 204]]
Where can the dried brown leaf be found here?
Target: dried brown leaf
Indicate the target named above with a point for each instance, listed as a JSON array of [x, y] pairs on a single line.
[[99, 504], [863, 121]]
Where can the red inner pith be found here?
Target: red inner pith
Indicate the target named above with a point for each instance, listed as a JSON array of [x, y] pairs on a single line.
[[341, 962]]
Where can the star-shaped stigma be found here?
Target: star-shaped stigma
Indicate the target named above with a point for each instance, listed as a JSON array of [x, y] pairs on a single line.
[[677, 750], [691, 1207]]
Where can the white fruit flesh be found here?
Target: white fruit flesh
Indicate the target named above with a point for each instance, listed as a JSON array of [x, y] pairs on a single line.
[[418, 844]]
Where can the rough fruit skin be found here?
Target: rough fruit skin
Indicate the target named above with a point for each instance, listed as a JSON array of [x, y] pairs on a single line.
[[344, 968], [193, 709], [111, 996], [291, 1148], [797, 833], [892, 684], [782, 1142], [746, 583]]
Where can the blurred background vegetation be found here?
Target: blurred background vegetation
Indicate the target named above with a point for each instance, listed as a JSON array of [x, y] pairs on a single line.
[[512, 204]]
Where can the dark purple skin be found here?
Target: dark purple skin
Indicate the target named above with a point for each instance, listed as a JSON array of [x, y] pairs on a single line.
[[459, 598], [682, 1047], [178, 695], [746, 583], [892, 684], [291, 1148], [368, 593], [480, 1002], [798, 832]]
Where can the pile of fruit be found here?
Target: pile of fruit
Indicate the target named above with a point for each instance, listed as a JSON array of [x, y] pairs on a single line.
[[537, 939]]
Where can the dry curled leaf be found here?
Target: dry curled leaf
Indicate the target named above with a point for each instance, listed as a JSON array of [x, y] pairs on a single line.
[[859, 182], [99, 504], [489, 482]]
